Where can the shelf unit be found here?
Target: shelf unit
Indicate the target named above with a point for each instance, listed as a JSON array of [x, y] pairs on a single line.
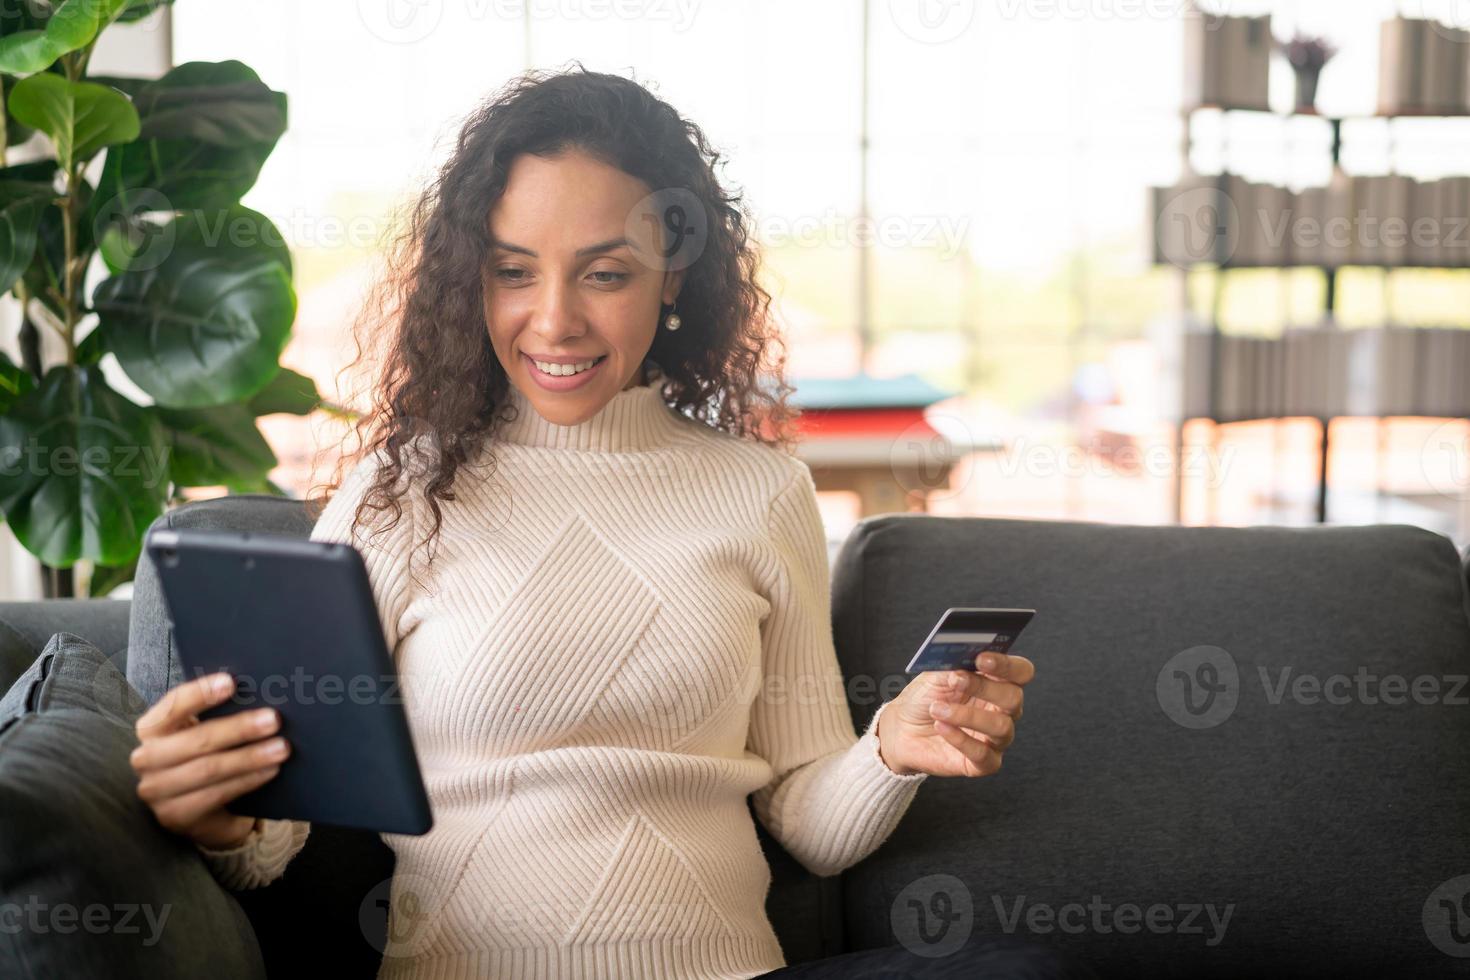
[[1223, 263]]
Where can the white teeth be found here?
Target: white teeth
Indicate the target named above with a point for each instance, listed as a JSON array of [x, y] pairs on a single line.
[[564, 370]]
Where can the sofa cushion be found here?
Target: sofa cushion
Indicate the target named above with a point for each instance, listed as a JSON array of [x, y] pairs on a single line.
[[1325, 815], [90, 884]]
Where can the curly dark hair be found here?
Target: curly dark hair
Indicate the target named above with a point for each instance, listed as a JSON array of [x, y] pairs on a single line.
[[434, 372]]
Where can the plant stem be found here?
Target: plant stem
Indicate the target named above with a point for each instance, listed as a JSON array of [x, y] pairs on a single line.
[[68, 263], [75, 64]]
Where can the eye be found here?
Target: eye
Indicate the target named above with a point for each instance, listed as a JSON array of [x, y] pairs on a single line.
[[616, 277], [508, 274]]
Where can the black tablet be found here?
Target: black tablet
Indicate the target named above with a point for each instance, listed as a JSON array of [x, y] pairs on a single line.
[[294, 622]]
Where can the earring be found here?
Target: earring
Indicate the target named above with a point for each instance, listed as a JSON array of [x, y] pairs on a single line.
[[672, 321]]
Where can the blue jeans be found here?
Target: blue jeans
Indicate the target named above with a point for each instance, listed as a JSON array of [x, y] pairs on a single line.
[[982, 958]]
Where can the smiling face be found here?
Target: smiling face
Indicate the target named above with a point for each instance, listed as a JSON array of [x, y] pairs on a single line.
[[569, 279]]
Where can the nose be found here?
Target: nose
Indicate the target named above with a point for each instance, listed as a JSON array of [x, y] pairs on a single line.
[[557, 314]]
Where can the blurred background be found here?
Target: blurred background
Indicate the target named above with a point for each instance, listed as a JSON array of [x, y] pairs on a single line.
[[971, 214]]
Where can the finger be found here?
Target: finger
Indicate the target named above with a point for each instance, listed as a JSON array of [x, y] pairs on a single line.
[[182, 702], [998, 729], [1017, 714], [961, 685], [1007, 667], [162, 784], [214, 735], [181, 812], [985, 758]]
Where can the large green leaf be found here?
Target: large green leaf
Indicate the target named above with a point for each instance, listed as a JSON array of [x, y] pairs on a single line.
[[71, 26], [80, 117], [216, 445], [15, 381], [206, 326], [85, 470], [21, 206], [223, 103], [207, 128], [288, 392]]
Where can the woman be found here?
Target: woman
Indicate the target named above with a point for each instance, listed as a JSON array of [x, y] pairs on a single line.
[[603, 577]]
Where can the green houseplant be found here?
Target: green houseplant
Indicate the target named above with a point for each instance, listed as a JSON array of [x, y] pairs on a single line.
[[157, 265]]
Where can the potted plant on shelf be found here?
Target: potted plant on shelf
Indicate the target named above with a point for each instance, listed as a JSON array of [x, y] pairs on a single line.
[[158, 265], [1308, 56]]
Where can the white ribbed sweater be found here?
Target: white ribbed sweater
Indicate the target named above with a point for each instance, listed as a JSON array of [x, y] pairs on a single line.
[[625, 630]]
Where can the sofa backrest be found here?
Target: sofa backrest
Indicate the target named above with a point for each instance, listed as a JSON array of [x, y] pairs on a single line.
[[1268, 723]]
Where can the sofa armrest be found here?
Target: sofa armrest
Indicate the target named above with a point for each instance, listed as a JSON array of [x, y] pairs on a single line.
[[26, 627]]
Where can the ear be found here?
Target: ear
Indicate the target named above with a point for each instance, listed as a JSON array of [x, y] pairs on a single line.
[[673, 282]]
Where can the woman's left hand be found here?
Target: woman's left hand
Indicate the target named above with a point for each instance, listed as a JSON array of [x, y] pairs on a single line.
[[955, 722]]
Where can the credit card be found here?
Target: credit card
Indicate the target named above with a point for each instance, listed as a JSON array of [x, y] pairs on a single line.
[[963, 633]]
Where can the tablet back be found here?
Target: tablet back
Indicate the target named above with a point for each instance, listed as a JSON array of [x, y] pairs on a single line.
[[294, 622]]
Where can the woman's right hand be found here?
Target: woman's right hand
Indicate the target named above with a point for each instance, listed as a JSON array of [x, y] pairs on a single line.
[[189, 769]]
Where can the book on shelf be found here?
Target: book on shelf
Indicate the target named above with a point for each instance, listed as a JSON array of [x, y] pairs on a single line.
[[1369, 220], [1325, 372], [1195, 373], [1227, 61], [1424, 68]]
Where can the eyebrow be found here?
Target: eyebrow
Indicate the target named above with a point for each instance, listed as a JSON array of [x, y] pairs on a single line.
[[606, 246]]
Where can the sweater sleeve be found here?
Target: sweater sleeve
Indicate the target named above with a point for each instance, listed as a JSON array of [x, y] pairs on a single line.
[[261, 858], [832, 800], [264, 854]]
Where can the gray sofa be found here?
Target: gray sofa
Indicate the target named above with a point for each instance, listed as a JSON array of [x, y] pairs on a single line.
[[1247, 752]]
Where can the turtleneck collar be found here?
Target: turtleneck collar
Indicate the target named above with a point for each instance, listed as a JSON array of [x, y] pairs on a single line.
[[635, 419]]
